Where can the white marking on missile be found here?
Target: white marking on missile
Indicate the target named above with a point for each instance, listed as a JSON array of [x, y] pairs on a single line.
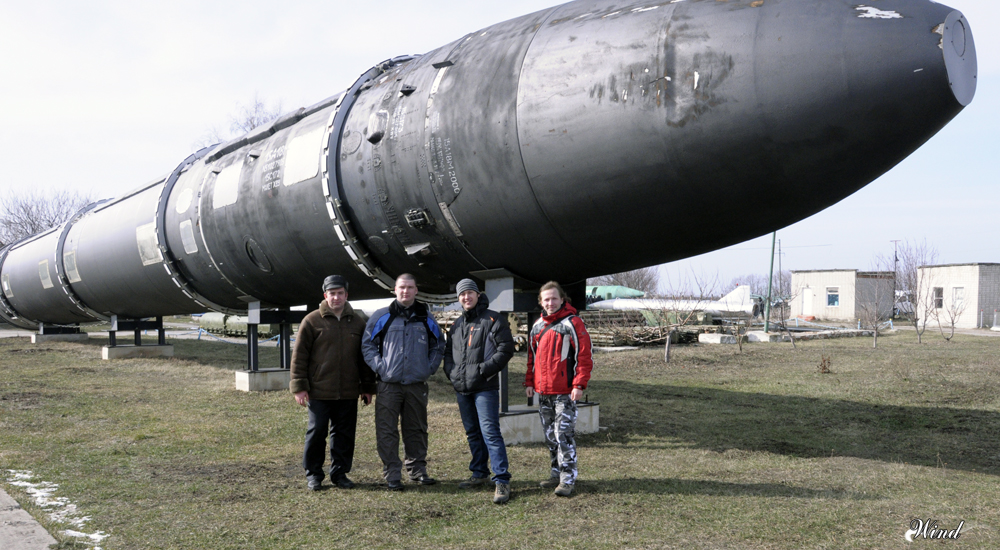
[[918, 70], [624, 95], [610, 14], [675, 1], [696, 76], [640, 10], [875, 13]]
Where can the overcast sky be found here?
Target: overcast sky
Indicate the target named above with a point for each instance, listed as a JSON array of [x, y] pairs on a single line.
[[104, 96]]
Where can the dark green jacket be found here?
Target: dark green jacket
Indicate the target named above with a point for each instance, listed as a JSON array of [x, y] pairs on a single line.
[[326, 358]]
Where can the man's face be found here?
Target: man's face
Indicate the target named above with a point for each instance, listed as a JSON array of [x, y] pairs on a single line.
[[468, 299], [406, 292], [336, 298], [551, 301]]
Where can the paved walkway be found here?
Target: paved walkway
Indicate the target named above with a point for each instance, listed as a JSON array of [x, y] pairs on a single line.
[[18, 530]]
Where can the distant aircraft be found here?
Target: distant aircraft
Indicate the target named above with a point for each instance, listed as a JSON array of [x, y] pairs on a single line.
[[737, 301]]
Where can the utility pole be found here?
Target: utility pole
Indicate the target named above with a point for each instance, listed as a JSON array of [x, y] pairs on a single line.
[[895, 274], [770, 277]]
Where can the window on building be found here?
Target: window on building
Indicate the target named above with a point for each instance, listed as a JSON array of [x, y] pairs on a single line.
[[833, 296], [938, 297], [958, 297]]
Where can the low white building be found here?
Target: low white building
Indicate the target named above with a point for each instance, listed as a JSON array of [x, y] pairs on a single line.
[[969, 294], [842, 294]]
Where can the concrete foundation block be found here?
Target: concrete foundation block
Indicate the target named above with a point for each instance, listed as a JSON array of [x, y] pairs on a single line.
[[263, 380], [39, 338], [716, 338], [522, 425], [765, 337], [127, 352]]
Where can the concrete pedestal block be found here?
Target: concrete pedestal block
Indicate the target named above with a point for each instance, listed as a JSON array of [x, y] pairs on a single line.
[[766, 337], [126, 352], [716, 338], [39, 338], [263, 380], [522, 425]]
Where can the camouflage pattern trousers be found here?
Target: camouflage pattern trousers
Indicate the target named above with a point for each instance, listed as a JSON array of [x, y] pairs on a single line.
[[558, 413]]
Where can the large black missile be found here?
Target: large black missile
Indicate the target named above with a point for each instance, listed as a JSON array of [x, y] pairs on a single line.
[[579, 140]]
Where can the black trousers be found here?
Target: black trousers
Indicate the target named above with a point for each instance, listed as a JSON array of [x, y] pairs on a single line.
[[339, 419]]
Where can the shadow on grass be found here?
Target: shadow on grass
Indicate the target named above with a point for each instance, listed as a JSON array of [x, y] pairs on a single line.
[[668, 486], [802, 427]]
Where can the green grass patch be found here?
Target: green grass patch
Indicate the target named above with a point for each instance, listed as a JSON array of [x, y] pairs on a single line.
[[717, 449]]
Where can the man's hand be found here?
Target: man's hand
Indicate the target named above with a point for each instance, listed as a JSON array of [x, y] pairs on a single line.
[[302, 398], [366, 399], [576, 394], [529, 391]]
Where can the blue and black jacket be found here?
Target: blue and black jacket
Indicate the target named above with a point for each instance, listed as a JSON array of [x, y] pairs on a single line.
[[403, 345]]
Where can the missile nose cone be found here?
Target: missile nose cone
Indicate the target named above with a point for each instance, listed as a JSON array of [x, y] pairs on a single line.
[[764, 112], [959, 56]]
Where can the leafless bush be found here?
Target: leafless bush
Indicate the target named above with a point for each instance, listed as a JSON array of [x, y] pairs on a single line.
[[25, 215], [247, 117]]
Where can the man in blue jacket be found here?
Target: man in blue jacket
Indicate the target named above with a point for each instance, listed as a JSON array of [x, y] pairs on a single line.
[[403, 345]]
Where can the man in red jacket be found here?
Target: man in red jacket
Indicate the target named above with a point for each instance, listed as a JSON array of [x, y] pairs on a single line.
[[559, 365]]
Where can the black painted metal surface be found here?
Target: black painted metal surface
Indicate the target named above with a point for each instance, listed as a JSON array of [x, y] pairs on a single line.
[[576, 141]]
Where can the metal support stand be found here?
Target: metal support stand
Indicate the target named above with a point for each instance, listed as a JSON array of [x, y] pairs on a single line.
[[284, 319], [137, 326], [256, 378], [53, 329]]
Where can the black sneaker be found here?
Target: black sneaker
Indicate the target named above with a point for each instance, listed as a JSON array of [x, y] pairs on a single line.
[[395, 485], [315, 485], [424, 479], [343, 482]]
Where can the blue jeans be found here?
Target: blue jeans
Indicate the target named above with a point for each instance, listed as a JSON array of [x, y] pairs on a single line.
[[481, 418]]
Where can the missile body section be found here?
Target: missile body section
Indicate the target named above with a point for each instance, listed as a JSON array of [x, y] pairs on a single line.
[[585, 139]]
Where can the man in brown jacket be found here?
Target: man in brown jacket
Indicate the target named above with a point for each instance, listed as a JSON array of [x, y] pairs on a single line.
[[328, 375]]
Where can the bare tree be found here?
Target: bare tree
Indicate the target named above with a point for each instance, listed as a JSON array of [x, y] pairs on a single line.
[[646, 279], [684, 301], [914, 293], [247, 117], [948, 309], [252, 115], [25, 215], [757, 283]]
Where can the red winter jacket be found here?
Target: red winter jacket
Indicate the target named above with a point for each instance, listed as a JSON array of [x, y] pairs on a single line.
[[559, 358]]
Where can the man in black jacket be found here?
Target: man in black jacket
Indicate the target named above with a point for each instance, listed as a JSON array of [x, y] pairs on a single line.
[[479, 346]]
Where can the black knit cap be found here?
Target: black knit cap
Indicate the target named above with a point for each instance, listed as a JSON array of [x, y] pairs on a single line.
[[334, 281]]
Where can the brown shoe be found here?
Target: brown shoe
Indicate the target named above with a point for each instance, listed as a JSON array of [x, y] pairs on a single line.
[[502, 493], [473, 482], [550, 483], [564, 490]]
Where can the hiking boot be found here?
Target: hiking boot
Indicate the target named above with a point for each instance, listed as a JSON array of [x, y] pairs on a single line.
[[550, 483], [472, 482], [564, 490], [502, 493]]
